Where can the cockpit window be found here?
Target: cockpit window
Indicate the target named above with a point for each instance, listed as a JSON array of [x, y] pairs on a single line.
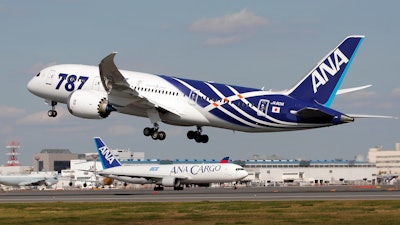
[[38, 75]]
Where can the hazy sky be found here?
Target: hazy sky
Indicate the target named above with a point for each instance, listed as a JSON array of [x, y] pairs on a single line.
[[248, 43]]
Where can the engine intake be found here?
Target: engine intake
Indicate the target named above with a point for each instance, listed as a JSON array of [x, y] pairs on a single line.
[[170, 182], [89, 104]]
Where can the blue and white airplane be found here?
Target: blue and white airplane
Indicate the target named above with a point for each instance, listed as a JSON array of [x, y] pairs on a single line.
[[95, 91], [170, 175]]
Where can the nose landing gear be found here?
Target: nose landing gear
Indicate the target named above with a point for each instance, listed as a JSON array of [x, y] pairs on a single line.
[[52, 112]]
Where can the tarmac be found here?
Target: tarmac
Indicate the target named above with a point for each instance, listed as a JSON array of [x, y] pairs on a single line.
[[206, 194]]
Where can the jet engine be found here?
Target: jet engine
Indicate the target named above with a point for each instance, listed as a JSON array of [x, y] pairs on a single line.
[[170, 182], [89, 104], [107, 181]]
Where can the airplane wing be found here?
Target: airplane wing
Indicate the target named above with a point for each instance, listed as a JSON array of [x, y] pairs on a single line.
[[119, 89], [33, 181], [146, 176], [113, 81]]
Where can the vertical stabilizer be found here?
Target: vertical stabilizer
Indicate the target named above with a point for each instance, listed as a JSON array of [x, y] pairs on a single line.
[[323, 81], [224, 160], [106, 157]]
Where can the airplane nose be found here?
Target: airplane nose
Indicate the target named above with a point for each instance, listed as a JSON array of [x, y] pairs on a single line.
[[32, 85], [29, 86]]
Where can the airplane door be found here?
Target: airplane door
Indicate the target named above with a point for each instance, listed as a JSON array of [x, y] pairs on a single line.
[[50, 76], [96, 83], [194, 94], [263, 105]]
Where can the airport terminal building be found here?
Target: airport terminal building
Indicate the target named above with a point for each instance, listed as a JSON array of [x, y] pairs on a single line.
[[313, 172]]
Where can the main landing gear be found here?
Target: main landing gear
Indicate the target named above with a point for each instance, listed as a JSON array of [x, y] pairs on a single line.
[[154, 133], [197, 136], [160, 135], [52, 112]]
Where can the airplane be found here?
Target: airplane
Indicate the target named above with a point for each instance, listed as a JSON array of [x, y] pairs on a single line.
[[34, 179], [94, 92], [171, 175]]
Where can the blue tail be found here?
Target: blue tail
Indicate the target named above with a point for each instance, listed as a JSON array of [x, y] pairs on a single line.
[[224, 160], [106, 157], [323, 81]]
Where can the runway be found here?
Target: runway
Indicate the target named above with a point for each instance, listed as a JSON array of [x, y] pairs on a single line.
[[202, 194]]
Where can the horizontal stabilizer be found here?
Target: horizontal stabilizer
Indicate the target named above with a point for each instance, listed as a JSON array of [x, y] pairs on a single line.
[[372, 116], [348, 90]]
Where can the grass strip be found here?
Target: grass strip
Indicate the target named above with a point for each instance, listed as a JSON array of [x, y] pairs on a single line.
[[175, 213]]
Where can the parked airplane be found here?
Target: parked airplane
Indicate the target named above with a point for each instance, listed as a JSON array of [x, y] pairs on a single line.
[[34, 179], [171, 175], [94, 92]]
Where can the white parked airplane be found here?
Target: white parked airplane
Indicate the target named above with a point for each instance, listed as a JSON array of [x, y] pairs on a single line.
[[171, 175], [94, 92], [34, 179]]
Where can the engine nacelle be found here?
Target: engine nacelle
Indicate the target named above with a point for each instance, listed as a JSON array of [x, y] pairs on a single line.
[[107, 181], [89, 104], [170, 182]]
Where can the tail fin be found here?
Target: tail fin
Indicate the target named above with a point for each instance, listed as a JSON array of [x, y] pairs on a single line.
[[324, 80], [106, 157], [224, 160]]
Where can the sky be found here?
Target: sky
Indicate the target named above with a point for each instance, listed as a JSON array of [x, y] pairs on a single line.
[[248, 43]]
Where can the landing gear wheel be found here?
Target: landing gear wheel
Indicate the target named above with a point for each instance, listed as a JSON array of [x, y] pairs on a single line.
[[161, 135], [191, 134], [204, 138], [158, 188], [201, 138], [147, 131], [154, 133], [52, 113], [197, 136]]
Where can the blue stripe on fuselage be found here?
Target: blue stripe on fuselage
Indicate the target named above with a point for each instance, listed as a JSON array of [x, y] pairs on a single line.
[[206, 90]]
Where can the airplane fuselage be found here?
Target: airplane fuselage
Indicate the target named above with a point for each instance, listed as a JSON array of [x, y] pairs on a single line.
[[94, 92], [184, 173], [28, 180], [196, 102]]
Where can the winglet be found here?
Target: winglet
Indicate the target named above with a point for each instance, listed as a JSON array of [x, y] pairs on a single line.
[[110, 76], [106, 157], [224, 160], [323, 81]]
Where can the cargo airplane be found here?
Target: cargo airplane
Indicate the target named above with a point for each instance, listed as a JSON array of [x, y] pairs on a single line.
[[171, 175], [94, 92]]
